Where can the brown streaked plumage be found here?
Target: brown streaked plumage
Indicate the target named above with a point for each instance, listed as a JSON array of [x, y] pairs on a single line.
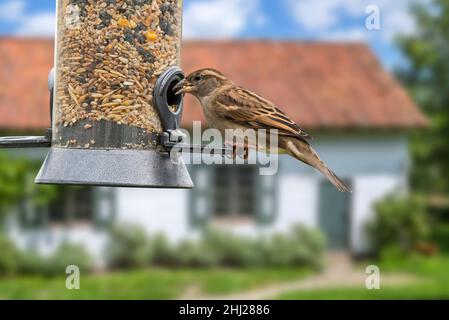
[[228, 106]]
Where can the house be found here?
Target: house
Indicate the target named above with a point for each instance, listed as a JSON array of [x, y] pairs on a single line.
[[358, 113]]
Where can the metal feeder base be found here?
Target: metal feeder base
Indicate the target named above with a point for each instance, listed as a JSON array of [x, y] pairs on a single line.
[[113, 168]]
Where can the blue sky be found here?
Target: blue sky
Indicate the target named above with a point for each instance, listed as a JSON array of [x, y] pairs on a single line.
[[324, 20]]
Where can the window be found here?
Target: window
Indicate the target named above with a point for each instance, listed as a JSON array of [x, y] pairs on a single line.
[[72, 205], [234, 191]]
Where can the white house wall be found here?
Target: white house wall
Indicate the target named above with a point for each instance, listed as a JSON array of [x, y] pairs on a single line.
[[298, 201], [156, 210], [375, 164], [364, 197], [47, 241]]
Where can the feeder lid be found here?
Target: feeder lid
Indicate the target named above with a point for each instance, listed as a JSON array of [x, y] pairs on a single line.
[[114, 168]]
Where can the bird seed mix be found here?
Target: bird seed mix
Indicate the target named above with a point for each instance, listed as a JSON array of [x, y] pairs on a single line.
[[109, 56]]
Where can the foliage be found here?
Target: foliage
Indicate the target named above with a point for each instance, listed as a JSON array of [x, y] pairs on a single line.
[[17, 183], [14, 261], [9, 257], [163, 252], [68, 254], [195, 254], [12, 181], [400, 224], [427, 77], [230, 250], [31, 263], [128, 247], [440, 235], [301, 247]]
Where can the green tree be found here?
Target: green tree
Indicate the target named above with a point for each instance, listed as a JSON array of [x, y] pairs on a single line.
[[400, 222], [17, 184], [427, 77], [12, 181]]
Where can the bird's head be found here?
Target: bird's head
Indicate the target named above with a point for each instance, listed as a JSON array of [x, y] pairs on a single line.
[[201, 83]]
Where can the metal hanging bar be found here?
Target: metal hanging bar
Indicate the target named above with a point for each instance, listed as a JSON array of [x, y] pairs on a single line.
[[26, 142]]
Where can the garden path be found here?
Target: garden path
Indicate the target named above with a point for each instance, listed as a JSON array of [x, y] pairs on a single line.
[[340, 272]]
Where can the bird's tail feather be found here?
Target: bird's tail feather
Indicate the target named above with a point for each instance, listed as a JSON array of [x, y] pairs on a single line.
[[311, 158], [335, 180]]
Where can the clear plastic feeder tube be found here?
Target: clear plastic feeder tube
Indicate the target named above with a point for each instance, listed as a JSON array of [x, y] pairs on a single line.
[[109, 55]]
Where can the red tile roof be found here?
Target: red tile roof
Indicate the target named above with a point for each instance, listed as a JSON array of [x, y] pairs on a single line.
[[24, 66], [320, 85]]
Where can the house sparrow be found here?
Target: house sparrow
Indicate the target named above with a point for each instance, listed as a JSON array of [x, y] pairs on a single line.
[[228, 106]]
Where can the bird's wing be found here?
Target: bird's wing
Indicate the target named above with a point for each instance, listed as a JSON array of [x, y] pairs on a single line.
[[247, 108]]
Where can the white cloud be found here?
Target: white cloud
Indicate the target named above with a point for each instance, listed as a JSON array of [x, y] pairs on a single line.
[[347, 35], [313, 14], [12, 10], [39, 24], [401, 22], [325, 18], [202, 18], [218, 18]]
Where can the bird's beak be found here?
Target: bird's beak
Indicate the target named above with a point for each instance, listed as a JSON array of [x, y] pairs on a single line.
[[184, 87]]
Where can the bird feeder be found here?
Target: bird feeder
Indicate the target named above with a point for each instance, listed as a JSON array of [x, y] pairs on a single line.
[[113, 106]]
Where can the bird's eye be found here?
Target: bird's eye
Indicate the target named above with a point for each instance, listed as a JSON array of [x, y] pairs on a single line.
[[197, 78]]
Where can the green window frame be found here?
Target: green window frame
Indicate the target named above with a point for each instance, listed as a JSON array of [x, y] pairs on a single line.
[[262, 208], [73, 205]]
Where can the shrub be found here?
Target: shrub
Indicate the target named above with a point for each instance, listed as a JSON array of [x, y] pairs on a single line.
[[128, 247], [301, 247], [195, 254], [12, 181], [441, 236], [230, 250], [400, 222], [9, 257], [310, 246], [277, 251], [163, 253], [67, 254], [33, 263], [14, 261], [17, 183]]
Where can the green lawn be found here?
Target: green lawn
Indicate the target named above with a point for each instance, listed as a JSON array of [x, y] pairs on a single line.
[[146, 284], [433, 284]]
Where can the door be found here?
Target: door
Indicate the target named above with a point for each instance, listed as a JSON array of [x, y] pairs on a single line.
[[334, 216]]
